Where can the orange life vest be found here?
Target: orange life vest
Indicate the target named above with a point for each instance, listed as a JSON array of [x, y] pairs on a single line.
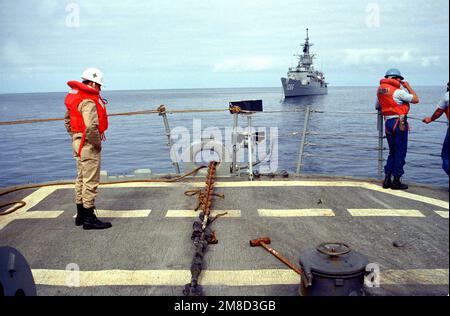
[[81, 92], [386, 100]]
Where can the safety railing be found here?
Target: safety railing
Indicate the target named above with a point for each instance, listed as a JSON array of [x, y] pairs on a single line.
[[304, 142], [302, 134], [380, 148]]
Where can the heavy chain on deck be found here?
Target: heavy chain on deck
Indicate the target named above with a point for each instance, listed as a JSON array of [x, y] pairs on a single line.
[[202, 234]]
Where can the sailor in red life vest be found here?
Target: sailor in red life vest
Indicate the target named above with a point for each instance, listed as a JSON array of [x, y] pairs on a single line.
[[86, 121], [442, 108], [393, 102]]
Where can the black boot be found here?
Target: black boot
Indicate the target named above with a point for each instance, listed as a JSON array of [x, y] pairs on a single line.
[[92, 222], [81, 214], [397, 185], [387, 184]]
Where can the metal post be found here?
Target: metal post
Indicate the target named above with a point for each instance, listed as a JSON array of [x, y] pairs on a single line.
[[303, 141], [163, 113], [249, 145], [234, 143], [380, 144]]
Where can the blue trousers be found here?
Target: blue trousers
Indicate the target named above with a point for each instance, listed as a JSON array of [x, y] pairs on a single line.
[[444, 154], [398, 147]]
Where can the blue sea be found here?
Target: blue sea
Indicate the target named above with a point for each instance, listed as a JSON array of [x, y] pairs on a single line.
[[342, 141]]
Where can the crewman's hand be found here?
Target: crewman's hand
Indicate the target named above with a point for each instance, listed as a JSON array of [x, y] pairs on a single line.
[[427, 120], [97, 146], [405, 84]]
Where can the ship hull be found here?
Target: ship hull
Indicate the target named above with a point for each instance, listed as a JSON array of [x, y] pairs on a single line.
[[294, 88]]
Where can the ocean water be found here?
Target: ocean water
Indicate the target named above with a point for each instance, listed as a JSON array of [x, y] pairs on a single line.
[[339, 143]]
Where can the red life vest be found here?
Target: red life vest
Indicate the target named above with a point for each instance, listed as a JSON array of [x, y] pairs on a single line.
[[81, 92], [386, 100], [446, 112]]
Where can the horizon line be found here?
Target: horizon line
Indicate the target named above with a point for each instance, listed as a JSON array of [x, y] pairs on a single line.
[[171, 89]]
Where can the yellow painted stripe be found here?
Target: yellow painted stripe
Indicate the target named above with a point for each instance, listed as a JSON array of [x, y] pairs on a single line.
[[407, 195], [443, 214], [123, 214], [138, 184], [238, 184], [415, 276], [42, 193], [295, 212], [192, 213], [214, 277], [40, 215], [385, 213], [250, 277], [166, 277], [31, 200]]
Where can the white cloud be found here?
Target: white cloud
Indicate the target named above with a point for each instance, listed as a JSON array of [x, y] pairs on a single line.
[[360, 56], [375, 56], [244, 64], [399, 58], [430, 61]]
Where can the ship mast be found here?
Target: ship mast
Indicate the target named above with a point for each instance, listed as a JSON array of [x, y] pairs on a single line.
[[306, 60], [306, 45]]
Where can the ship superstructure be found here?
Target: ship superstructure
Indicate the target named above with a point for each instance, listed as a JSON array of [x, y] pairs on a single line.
[[304, 79]]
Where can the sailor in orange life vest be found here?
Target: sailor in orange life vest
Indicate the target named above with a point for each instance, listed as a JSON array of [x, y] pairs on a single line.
[[393, 102], [442, 108], [86, 121]]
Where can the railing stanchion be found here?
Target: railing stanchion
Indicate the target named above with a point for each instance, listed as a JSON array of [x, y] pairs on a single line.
[[234, 144], [303, 140], [163, 113], [380, 127], [250, 147]]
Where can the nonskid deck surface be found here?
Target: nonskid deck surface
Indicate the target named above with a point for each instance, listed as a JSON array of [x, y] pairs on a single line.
[[148, 251]]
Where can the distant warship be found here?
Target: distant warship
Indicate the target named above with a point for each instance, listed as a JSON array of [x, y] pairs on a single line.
[[304, 79]]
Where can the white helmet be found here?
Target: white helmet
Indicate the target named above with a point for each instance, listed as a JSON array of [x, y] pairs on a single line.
[[94, 75]]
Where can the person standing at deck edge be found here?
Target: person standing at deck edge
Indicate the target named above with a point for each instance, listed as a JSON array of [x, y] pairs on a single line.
[[86, 121], [393, 102], [442, 108]]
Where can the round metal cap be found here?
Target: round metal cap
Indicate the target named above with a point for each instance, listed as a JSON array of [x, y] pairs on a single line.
[[333, 260]]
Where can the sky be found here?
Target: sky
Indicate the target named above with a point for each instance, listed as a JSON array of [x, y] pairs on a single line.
[[182, 44]]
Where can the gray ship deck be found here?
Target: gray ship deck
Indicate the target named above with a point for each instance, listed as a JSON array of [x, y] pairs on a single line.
[[148, 251]]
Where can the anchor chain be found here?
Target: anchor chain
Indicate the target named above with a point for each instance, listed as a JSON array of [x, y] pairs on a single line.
[[202, 234]]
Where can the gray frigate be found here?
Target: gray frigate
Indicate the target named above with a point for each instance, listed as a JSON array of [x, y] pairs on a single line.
[[304, 79]]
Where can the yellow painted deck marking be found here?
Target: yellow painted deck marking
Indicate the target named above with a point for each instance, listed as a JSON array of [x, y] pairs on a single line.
[[385, 213], [223, 277], [407, 195], [40, 215], [166, 277], [295, 212], [40, 194], [415, 276], [123, 214], [192, 213], [31, 200], [443, 214], [364, 185]]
